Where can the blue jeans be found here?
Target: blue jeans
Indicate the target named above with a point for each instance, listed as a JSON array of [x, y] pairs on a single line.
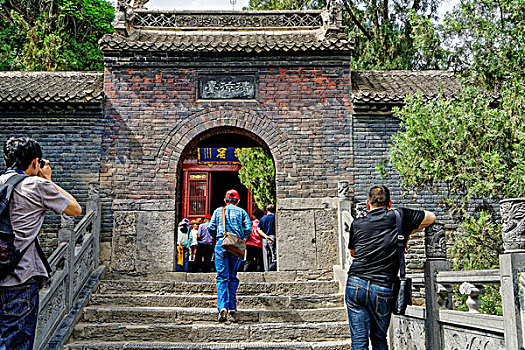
[[369, 309], [185, 258], [18, 316], [227, 266]]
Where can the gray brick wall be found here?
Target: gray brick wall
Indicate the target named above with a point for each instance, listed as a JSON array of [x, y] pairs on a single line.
[[71, 141], [372, 132]]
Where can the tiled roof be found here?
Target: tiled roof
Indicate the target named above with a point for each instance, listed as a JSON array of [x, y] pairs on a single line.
[[51, 87], [190, 32], [393, 86], [184, 42]]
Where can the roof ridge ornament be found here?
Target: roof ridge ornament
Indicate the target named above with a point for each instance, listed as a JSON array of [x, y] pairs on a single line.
[[332, 17], [126, 14]]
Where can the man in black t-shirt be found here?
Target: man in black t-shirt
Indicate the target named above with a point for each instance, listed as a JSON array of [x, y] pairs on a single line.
[[266, 228], [373, 244]]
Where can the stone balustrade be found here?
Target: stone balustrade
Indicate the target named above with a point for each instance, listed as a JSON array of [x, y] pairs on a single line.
[[73, 264]]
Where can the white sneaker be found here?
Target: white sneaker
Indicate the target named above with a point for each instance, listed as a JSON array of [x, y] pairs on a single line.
[[223, 315]]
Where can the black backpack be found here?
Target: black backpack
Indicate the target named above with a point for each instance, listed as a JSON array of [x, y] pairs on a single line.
[[9, 255]]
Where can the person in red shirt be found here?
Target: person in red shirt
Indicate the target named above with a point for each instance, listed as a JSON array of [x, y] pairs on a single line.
[[254, 253]]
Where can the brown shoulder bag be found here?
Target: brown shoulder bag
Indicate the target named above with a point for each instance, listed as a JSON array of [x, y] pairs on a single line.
[[230, 242]]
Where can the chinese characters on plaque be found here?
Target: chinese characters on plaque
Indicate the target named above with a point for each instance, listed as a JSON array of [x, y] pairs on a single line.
[[218, 155], [227, 87]]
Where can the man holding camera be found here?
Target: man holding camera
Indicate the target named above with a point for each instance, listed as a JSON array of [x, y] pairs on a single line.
[[32, 196], [373, 243]]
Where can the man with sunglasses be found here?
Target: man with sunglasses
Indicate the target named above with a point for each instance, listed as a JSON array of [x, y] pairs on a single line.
[[373, 243], [32, 196]]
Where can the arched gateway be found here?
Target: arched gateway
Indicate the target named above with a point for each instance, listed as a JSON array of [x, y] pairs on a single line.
[[177, 82]]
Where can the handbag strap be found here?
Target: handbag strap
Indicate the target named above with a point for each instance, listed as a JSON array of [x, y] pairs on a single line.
[[400, 245], [223, 221]]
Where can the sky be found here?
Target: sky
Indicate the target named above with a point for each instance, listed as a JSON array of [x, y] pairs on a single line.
[[194, 4]]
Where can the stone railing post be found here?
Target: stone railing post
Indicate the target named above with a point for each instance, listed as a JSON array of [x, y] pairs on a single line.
[[512, 271], [344, 221], [66, 234], [435, 295], [93, 203]]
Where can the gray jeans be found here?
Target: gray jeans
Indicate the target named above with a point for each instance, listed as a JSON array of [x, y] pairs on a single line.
[[270, 254]]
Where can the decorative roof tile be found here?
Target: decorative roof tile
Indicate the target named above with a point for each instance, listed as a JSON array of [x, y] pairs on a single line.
[[229, 31], [392, 86], [53, 87], [225, 42]]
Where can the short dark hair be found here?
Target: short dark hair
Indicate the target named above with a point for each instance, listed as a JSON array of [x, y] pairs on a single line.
[[258, 214], [231, 200], [19, 152], [271, 208], [379, 195]]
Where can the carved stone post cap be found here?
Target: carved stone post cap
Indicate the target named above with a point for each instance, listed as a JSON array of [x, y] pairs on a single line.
[[435, 241], [513, 224], [343, 190]]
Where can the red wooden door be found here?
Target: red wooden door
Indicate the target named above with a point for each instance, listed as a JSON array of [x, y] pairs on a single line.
[[196, 195]]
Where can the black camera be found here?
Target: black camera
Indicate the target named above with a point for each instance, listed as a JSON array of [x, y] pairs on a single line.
[[43, 162]]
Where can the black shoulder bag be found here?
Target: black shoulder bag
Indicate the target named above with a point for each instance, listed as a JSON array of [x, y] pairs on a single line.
[[10, 256], [403, 287]]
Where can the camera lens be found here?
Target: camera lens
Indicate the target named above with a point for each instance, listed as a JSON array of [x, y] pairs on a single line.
[[42, 163]]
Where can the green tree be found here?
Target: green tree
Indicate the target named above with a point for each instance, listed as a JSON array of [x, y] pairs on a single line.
[[388, 34], [53, 34], [487, 41], [257, 173], [263, 5]]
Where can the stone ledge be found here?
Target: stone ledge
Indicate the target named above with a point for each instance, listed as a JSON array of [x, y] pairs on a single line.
[[143, 205], [307, 203]]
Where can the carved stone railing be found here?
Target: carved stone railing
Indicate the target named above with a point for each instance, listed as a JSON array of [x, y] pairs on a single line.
[[73, 262], [131, 15], [252, 19], [443, 326]]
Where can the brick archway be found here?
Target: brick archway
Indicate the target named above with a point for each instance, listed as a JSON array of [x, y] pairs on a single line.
[[182, 135]]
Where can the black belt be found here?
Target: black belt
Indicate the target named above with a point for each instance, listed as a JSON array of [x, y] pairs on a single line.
[[381, 284]]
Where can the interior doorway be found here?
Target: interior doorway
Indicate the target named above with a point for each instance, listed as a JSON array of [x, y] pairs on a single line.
[[209, 167], [222, 181]]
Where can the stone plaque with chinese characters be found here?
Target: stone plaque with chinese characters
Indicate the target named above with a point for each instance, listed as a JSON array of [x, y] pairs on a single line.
[[227, 87]]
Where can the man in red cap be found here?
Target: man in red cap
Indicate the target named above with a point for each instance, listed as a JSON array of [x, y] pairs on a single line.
[[237, 222], [204, 247]]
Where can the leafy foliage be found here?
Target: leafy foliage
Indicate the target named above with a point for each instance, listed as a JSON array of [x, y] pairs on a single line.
[[53, 34], [471, 146], [387, 34], [257, 173], [475, 148], [487, 41], [264, 5]]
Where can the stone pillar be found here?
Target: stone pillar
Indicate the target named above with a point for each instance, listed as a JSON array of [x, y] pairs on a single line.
[[436, 253], [307, 238], [66, 234], [512, 271], [143, 235], [345, 220]]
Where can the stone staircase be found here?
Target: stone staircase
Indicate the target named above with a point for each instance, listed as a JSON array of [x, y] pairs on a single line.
[[177, 311]]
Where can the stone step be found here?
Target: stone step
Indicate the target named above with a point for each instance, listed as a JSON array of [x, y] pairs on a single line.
[[219, 333], [327, 345], [271, 276], [174, 315], [269, 302], [245, 288]]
